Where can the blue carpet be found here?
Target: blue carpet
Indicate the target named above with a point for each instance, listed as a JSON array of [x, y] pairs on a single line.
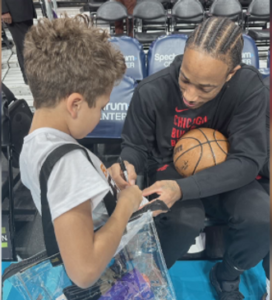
[[190, 280]]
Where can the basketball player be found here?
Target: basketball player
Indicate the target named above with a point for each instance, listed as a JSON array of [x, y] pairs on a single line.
[[209, 87]]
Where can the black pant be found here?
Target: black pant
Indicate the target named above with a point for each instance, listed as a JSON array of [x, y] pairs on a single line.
[[246, 211], [18, 32]]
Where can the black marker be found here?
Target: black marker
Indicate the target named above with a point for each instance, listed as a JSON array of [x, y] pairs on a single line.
[[123, 168]]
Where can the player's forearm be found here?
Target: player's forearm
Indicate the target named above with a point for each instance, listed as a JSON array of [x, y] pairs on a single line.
[[5, 8], [229, 175], [134, 157]]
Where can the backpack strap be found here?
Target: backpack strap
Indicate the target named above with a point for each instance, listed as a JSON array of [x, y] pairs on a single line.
[[48, 228]]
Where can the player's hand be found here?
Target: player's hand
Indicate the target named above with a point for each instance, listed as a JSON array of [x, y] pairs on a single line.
[[132, 195], [117, 175], [7, 18], [168, 190]]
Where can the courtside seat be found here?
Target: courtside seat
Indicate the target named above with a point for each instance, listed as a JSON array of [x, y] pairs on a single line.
[[154, 21], [185, 15], [134, 56], [250, 54], [258, 10], [113, 116], [231, 9], [163, 51], [110, 12], [260, 34]]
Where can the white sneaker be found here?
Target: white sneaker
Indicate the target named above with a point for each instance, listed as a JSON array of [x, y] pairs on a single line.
[[200, 244]]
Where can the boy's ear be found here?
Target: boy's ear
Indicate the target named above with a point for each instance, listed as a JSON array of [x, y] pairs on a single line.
[[74, 104]]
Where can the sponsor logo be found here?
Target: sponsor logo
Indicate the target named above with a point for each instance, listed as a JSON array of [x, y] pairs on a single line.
[[163, 168], [116, 106], [115, 111], [166, 59], [183, 125], [247, 58], [181, 110], [130, 59], [247, 55]]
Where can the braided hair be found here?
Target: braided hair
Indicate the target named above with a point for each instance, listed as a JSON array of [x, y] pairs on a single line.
[[220, 38]]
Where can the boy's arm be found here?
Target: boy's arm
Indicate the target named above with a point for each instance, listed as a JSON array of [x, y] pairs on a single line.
[[86, 254]]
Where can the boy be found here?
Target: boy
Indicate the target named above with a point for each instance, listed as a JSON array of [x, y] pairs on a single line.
[[71, 69]]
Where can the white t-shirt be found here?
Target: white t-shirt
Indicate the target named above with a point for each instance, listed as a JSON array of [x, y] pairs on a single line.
[[73, 179]]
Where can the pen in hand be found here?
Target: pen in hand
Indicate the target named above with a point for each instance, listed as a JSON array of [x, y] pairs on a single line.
[[123, 168]]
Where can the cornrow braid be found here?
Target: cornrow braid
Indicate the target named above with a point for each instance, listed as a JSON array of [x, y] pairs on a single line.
[[220, 38], [202, 29], [214, 38]]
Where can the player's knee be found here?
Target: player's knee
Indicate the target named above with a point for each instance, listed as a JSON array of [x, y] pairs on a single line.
[[190, 220], [255, 214]]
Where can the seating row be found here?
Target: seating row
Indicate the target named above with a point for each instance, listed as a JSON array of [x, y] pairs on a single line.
[[163, 51], [151, 19]]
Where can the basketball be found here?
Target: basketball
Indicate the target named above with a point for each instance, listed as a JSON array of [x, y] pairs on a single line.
[[199, 149]]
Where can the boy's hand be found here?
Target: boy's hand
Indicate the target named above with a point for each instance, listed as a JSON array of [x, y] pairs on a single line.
[[7, 18], [117, 175], [168, 190], [131, 195]]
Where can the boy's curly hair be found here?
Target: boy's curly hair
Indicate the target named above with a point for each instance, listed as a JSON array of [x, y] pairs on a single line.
[[68, 55]]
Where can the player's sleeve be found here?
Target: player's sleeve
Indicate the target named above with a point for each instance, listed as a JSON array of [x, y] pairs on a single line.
[[73, 181], [5, 8], [247, 135], [138, 132]]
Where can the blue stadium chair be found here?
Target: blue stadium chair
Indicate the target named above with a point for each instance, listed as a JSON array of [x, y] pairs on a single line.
[[113, 117], [266, 71], [134, 56], [250, 54], [163, 51]]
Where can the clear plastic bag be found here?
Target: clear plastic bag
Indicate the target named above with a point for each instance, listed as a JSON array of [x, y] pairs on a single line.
[[137, 272]]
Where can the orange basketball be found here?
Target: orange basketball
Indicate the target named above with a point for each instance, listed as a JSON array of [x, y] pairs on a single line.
[[199, 149]]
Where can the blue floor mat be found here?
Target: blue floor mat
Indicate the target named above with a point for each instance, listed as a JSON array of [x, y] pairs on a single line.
[[191, 282]]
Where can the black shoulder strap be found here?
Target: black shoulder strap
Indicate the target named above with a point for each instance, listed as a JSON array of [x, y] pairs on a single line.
[[48, 228]]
